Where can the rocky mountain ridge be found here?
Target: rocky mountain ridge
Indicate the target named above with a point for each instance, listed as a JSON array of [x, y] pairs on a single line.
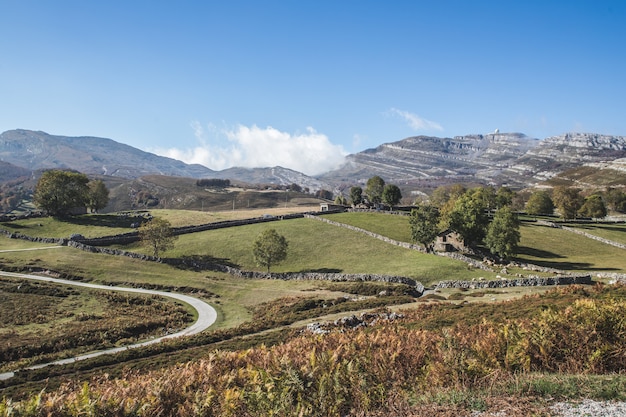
[[499, 158]]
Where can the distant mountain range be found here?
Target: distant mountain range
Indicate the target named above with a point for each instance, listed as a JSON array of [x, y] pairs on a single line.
[[499, 158]]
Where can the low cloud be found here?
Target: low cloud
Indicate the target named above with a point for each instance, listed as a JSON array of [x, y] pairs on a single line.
[[252, 147], [414, 121]]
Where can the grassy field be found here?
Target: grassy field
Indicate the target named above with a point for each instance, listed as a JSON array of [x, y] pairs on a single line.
[[87, 225], [615, 232], [392, 226], [317, 246], [97, 225], [557, 248]]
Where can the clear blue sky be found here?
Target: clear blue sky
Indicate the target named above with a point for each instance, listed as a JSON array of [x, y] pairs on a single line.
[[300, 83]]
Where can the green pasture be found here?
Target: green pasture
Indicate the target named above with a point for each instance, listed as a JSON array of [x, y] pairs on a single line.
[[557, 248], [98, 225], [318, 246], [391, 226], [615, 232], [90, 225]]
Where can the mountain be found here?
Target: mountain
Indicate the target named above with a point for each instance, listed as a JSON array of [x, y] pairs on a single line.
[[414, 163], [482, 157], [557, 154], [502, 158], [90, 155], [9, 172], [276, 175]]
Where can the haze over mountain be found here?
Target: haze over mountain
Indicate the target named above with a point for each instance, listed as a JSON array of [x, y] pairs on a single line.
[[500, 158]]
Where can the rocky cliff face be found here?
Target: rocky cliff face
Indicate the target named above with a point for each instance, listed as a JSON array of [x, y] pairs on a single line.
[[556, 154], [424, 157]]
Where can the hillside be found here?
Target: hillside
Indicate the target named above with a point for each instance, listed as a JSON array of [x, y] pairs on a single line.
[[431, 158], [90, 155], [160, 191]]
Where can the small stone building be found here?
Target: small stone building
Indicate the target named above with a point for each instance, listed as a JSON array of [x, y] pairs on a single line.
[[449, 241]]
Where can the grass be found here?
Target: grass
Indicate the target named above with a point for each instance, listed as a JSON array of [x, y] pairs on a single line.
[[97, 225], [232, 297], [615, 232], [93, 225], [391, 226], [556, 248], [317, 246]]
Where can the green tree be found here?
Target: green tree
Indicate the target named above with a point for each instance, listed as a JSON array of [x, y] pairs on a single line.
[[59, 192], [157, 234], [391, 195], [504, 197], [593, 207], [615, 199], [503, 234], [468, 219], [356, 195], [539, 203], [269, 248], [424, 223], [445, 198], [374, 189], [568, 201], [98, 196], [340, 200], [487, 196], [324, 194]]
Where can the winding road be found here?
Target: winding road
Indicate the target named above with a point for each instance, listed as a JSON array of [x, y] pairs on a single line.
[[206, 317]]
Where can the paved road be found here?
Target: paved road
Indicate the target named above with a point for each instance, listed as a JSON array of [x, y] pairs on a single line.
[[206, 317]]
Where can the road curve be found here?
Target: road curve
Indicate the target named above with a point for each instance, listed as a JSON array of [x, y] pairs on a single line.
[[206, 317]]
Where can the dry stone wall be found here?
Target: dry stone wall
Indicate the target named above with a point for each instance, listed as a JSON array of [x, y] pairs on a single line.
[[519, 282]]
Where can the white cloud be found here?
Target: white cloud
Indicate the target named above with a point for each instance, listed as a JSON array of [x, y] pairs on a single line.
[[251, 147], [414, 121]]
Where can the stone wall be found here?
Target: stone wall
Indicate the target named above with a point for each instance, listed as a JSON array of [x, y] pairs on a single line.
[[520, 282]]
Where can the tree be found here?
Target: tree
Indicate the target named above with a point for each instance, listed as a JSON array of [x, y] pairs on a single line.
[[504, 197], [356, 195], [324, 194], [540, 202], [487, 196], [59, 192], [568, 201], [98, 196], [391, 195], [269, 248], [157, 234], [615, 199], [593, 207], [424, 223], [445, 198], [503, 234], [468, 219], [374, 189], [340, 200]]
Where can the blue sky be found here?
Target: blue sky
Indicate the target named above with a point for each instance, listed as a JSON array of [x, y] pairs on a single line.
[[302, 83]]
